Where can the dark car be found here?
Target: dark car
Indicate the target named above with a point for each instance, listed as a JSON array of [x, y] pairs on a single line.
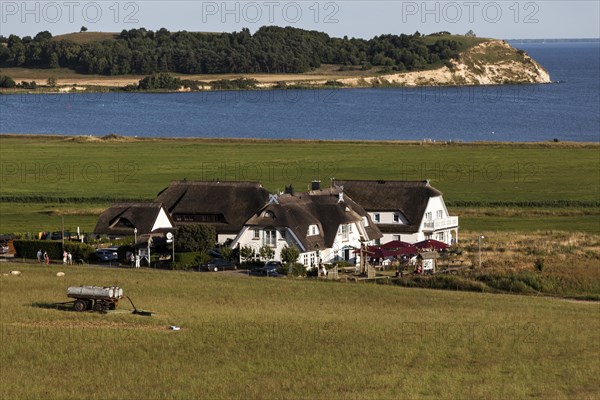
[[4, 249], [266, 271], [273, 264], [109, 254], [218, 264]]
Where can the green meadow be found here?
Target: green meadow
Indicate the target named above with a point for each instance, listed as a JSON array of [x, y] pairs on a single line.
[[257, 338], [44, 178]]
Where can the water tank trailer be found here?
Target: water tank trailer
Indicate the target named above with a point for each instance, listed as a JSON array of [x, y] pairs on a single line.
[[97, 298]]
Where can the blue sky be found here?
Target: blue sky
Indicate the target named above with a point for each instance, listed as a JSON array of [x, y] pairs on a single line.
[[498, 19]]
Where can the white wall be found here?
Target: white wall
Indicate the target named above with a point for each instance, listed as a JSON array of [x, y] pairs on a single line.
[[162, 220], [328, 255]]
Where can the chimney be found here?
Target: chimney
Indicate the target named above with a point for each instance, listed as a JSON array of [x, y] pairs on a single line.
[[315, 185]]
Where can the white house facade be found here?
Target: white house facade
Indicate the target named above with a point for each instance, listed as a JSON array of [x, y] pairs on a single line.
[[325, 226], [410, 211]]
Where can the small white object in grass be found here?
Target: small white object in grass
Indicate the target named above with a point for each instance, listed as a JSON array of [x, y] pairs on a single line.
[[16, 273], [174, 328], [60, 274]]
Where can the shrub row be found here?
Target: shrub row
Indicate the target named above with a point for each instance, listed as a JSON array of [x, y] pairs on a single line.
[[60, 200], [29, 249], [189, 260], [526, 204]]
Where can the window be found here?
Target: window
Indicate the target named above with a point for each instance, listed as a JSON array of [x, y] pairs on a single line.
[[313, 230], [428, 216], [344, 232], [269, 237], [282, 235], [439, 214], [441, 236], [428, 236], [269, 214], [397, 237], [377, 242], [350, 228], [377, 217], [312, 259], [396, 217], [256, 234]]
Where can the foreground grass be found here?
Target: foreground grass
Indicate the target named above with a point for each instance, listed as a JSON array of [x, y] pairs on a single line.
[[259, 338], [87, 173]]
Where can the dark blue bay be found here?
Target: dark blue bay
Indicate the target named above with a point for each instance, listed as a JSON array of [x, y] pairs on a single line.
[[569, 110]]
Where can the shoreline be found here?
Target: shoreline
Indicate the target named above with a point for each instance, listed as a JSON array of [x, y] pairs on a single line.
[[114, 138], [94, 89]]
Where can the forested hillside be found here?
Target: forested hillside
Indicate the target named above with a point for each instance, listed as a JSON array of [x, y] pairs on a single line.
[[269, 50]]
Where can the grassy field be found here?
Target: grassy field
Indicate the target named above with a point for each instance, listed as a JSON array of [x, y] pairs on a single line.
[[43, 178], [259, 338]]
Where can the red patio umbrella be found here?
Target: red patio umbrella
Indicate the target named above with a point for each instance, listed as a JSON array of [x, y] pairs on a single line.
[[432, 244], [397, 248]]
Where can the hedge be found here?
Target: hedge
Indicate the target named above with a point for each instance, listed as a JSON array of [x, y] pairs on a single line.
[[29, 249], [189, 260]]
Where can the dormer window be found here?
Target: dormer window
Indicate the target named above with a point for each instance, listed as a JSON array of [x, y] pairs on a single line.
[[313, 230], [269, 214]]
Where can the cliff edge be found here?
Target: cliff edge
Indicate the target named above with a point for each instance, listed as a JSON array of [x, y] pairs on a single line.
[[489, 63]]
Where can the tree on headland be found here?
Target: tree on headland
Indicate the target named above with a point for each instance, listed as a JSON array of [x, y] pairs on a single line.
[[83, 29], [51, 81], [7, 82], [270, 49]]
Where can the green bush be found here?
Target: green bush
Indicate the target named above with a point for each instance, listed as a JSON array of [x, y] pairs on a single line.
[[189, 260], [7, 82], [343, 264], [448, 282], [29, 248], [234, 84], [81, 251], [160, 81], [297, 269]]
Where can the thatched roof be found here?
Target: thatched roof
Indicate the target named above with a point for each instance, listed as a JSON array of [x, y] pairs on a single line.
[[408, 197], [224, 205], [320, 207], [122, 218]]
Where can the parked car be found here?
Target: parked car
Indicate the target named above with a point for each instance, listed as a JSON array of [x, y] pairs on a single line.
[[266, 271], [4, 248], [218, 264], [109, 254], [273, 264]]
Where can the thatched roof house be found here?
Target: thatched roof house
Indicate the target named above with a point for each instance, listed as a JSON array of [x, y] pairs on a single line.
[[224, 205], [121, 219], [403, 210], [326, 209], [325, 225]]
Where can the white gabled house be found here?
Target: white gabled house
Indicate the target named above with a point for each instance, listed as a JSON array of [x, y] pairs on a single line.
[[222, 204], [130, 219], [410, 211], [325, 225]]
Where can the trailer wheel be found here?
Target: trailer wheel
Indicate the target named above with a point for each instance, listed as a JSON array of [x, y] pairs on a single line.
[[98, 307], [112, 306], [79, 305]]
